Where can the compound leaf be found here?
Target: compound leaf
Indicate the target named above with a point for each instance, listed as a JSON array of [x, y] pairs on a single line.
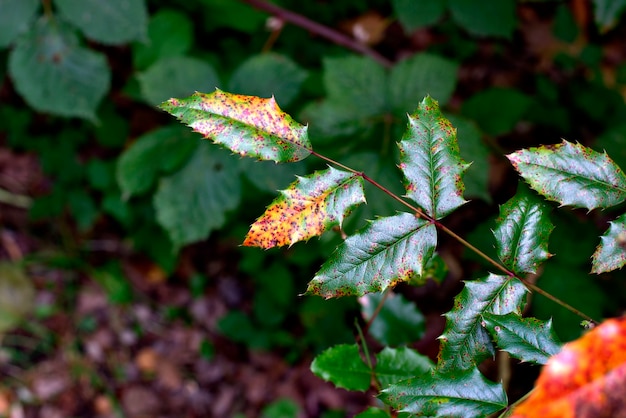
[[387, 251], [611, 253], [464, 342], [586, 379], [572, 174], [454, 393], [522, 232], [342, 365], [430, 161], [526, 339], [247, 125], [307, 208], [396, 364]]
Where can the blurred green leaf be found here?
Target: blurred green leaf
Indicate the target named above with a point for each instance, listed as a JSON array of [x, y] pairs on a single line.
[[397, 322], [497, 20], [269, 176], [372, 412], [414, 14], [83, 208], [109, 22], [16, 17], [267, 75], [497, 110], [154, 153], [394, 365], [607, 13], [611, 253], [342, 365], [55, 75], [17, 295], [565, 27], [116, 285], [100, 174], [194, 201], [177, 76], [282, 408], [613, 141], [232, 14]]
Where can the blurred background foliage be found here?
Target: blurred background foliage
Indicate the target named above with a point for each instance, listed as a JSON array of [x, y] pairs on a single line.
[[100, 192]]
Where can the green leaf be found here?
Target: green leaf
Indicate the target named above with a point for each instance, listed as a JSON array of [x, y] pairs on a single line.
[[170, 33], [17, 295], [497, 110], [611, 253], [269, 176], [421, 75], [464, 342], [342, 365], [266, 75], [456, 393], [414, 14], [109, 22], [430, 161], [233, 15], [526, 339], [192, 202], [176, 77], [308, 207], [497, 20], [246, 125], [572, 174], [472, 148], [154, 153], [388, 251], [55, 75], [16, 17], [372, 412], [522, 232], [394, 365], [607, 13], [397, 322]]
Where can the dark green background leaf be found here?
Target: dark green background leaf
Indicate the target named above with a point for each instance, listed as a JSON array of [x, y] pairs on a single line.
[[16, 17], [398, 321], [343, 366]]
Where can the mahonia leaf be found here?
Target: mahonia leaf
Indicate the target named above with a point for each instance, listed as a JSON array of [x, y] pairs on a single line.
[[586, 379], [522, 232], [572, 174], [394, 365], [308, 207], [387, 251], [397, 322], [454, 393], [247, 125], [430, 161], [611, 253], [464, 342], [526, 339], [342, 365]]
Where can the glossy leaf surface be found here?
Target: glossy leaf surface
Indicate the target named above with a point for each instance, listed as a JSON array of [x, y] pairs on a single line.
[[342, 365], [307, 208], [522, 232], [431, 162], [247, 125], [456, 393], [586, 379], [526, 339], [572, 175], [464, 342], [387, 251], [611, 253]]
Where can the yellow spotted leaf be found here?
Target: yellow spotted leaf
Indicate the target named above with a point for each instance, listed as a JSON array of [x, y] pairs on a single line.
[[247, 125], [307, 208]]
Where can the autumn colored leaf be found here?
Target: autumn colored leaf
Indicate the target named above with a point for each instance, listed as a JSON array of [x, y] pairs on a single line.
[[465, 342], [454, 393], [526, 339], [587, 379], [611, 253], [572, 174], [431, 162], [247, 125], [307, 208], [522, 232], [387, 251]]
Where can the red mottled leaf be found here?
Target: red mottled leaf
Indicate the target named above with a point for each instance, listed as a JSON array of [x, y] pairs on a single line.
[[587, 379], [247, 125], [611, 253], [308, 207]]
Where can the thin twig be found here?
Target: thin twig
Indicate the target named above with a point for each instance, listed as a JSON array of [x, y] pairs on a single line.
[[318, 29]]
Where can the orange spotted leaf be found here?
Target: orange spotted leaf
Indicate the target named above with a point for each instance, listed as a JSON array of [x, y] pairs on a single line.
[[307, 208], [586, 379], [247, 125]]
